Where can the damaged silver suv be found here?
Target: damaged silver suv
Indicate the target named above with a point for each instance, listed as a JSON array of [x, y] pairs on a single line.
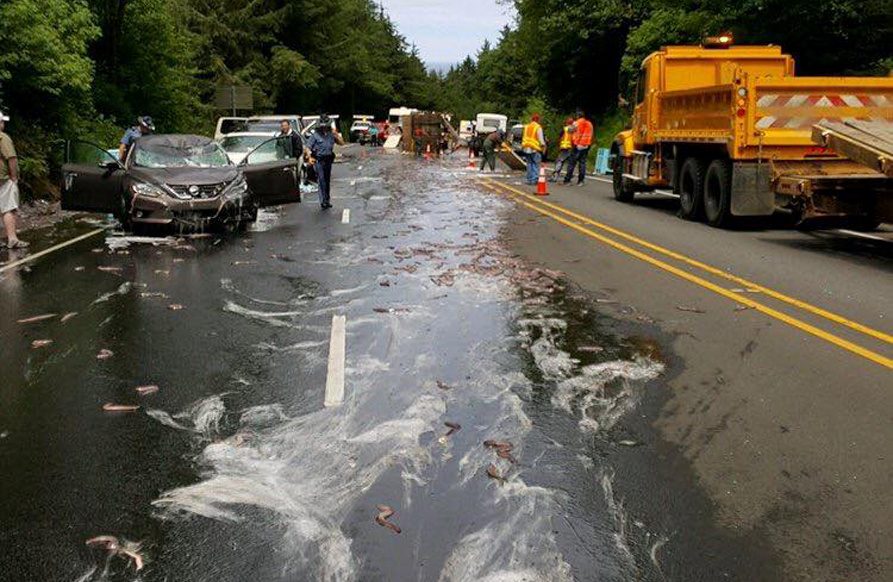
[[182, 180]]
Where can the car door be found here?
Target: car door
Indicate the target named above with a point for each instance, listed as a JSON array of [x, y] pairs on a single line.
[[272, 172], [91, 178]]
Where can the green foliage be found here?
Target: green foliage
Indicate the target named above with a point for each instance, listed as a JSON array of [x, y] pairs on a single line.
[[44, 64], [666, 26]]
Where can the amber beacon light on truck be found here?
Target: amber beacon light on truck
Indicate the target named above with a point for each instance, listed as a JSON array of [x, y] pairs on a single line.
[[734, 132]]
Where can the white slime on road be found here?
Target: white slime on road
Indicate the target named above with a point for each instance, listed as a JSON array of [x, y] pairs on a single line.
[[311, 471]]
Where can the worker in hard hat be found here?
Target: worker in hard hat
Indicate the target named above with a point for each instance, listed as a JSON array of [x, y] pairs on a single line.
[[565, 146], [533, 145], [582, 132]]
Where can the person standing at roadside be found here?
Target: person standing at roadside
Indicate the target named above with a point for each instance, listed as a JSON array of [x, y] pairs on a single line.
[[144, 125], [533, 144], [491, 142], [320, 149], [9, 186], [583, 132], [565, 146], [292, 143]]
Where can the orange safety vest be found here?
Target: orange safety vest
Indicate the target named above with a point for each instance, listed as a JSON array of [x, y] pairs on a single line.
[[583, 135], [567, 139], [531, 136]]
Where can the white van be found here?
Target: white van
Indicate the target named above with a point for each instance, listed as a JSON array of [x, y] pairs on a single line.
[[490, 122]]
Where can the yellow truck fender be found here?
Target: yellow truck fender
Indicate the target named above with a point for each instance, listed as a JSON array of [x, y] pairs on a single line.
[[623, 143]]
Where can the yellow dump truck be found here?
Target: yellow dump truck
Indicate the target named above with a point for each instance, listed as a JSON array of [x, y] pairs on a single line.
[[730, 130]]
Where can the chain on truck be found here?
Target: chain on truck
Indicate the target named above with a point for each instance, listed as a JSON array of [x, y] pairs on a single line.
[[730, 130]]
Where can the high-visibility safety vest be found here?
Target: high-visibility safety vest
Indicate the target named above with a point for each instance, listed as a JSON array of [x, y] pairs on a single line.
[[566, 140], [583, 134], [531, 136]]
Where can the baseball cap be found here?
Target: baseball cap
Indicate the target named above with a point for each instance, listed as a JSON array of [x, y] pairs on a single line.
[[3, 116]]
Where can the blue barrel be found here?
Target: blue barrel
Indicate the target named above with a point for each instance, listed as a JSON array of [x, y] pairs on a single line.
[[601, 161]]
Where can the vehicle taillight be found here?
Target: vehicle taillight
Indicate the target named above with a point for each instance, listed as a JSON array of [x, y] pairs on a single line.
[[741, 112]]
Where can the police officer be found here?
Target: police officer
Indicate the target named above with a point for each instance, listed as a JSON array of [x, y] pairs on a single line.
[[143, 126], [320, 149]]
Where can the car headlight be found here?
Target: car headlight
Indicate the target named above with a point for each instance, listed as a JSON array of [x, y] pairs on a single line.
[[149, 190]]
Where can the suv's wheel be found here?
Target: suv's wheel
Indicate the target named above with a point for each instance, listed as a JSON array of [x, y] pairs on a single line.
[[623, 191], [718, 194], [123, 214], [691, 189]]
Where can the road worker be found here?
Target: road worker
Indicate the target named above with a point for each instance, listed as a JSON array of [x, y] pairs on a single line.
[[533, 145], [565, 145], [582, 133], [491, 142]]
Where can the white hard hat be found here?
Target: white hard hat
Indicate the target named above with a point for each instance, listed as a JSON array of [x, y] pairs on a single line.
[[3, 116]]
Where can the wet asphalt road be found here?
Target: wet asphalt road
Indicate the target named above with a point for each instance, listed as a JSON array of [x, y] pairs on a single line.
[[234, 470], [458, 310]]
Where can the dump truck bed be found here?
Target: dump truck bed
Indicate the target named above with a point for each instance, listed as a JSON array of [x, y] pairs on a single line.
[[769, 117]]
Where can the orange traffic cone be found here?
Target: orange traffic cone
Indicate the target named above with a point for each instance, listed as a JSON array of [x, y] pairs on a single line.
[[541, 184], [471, 164], [428, 153]]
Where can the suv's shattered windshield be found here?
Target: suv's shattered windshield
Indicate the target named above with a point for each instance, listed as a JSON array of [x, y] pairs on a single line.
[[180, 152]]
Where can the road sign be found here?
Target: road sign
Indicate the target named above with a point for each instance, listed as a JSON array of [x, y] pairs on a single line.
[[233, 97]]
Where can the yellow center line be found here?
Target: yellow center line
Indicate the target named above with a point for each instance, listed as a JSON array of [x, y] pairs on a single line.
[[838, 319], [783, 317], [53, 248]]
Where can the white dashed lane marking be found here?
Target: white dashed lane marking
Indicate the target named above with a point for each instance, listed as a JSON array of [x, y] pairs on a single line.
[[335, 375]]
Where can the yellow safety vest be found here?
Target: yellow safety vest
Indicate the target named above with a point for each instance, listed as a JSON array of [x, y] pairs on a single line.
[[566, 142], [531, 137]]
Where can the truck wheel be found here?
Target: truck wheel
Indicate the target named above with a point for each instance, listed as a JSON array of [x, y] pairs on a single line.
[[691, 189], [622, 189], [718, 194]]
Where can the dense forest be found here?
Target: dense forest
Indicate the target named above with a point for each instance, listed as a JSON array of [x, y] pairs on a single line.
[[87, 68]]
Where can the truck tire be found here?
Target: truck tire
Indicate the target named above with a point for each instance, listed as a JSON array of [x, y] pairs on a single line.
[[691, 189], [718, 194], [623, 191]]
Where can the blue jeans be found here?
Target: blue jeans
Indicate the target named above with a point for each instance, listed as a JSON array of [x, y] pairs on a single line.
[[533, 167], [578, 157], [324, 177]]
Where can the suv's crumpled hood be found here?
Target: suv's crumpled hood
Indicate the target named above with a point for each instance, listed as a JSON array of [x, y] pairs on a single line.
[[185, 176]]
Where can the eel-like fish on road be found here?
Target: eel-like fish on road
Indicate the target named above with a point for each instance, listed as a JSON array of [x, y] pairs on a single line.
[[385, 512], [37, 318], [453, 426], [109, 407], [503, 449]]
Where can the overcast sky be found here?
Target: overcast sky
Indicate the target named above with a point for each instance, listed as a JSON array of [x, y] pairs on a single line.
[[446, 31]]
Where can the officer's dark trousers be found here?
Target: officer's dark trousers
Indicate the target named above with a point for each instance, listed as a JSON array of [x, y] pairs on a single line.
[[324, 178]]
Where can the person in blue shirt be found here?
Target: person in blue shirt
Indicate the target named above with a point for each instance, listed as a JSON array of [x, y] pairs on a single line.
[[143, 126], [320, 149]]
